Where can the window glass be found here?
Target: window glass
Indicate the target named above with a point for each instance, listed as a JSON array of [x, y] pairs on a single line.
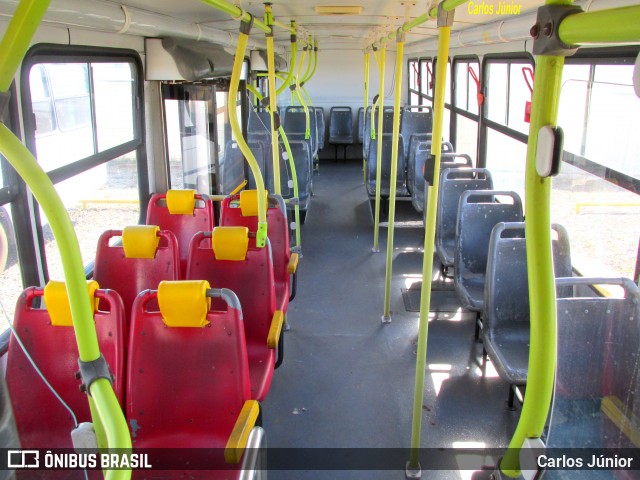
[[80, 109], [447, 88], [467, 137], [414, 75], [191, 147], [519, 95], [497, 92], [612, 136], [583, 202], [113, 85], [506, 158], [102, 198], [466, 87], [573, 106]]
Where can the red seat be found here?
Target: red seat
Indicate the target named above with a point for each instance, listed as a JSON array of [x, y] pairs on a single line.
[[130, 275], [251, 278], [183, 225], [231, 213], [41, 419], [188, 377]]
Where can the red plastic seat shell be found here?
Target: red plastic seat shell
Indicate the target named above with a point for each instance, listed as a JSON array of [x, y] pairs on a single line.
[[184, 227], [41, 420], [252, 281]]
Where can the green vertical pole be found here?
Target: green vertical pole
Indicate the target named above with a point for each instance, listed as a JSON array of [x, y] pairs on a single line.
[[386, 317], [275, 152], [444, 35], [381, 64], [367, 59], [542, 292]]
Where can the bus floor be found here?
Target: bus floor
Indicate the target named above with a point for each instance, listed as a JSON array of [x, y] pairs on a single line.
[[348, 380]]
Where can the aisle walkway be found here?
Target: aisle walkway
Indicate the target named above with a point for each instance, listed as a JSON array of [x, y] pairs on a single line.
[[347, 379]]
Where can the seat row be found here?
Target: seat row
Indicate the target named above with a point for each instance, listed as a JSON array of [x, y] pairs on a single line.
[[182, 336], [480, 235], [182, 377]]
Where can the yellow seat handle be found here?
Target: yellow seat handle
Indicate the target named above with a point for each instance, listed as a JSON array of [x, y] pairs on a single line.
[[184, 303], [240, 434], [181, 202], [293, 263], [276, 327]]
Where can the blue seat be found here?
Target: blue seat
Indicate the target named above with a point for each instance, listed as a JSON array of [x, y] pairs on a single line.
[[341, 128], [360, 125], [385, 168], [414, 122], [597, 385], [321, 126], [454, 181], [232, 166], [295, 122], [478, 212], [506, 324], [419, 152], [387, 126], [302, 161]]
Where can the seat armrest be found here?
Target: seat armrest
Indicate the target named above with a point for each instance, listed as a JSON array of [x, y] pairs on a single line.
[[275, 329], [293, 263], [240, 434]]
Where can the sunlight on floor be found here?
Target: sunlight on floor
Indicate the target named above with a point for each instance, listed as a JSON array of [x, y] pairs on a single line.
[[439, 373], [489, 370], [465, 460]]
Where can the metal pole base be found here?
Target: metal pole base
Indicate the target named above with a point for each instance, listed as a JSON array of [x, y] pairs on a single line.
[[411, 472], [386, 319], [375, 250]]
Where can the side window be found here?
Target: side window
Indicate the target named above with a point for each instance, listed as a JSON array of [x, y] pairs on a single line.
[[83, 109]]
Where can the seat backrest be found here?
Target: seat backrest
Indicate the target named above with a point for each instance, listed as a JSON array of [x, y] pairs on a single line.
[[131, 274], [183, 225], [385, 165], [506, 294], [321, 126], [186, 384], [478, 212], [252, 280], [259, 122], [278, 229], [454, 181], [340, 124], [41, 419], [414, 122], [597, 389], [387, 126], [360, 125], [301, 151], [295, 121]]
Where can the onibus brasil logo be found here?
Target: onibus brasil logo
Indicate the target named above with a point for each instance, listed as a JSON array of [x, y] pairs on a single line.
[[20, 459]]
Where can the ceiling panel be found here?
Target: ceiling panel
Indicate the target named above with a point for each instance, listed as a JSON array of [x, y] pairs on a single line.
[[347, 32]]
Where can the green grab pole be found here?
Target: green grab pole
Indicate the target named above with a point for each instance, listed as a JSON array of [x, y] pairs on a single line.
[[447, 5], [40, 184], [275, 151], [104, 403], [314, 50], [236, 12], [367, 59], [312, 55], [542, 292], [17, 38], [306, 96], [444, 36], [261, 235], [386, 317], [380, 108], [292, 62], [615, 25], [112, 420], [307, 131], [372, 121], [290, 28], [292, 165]]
